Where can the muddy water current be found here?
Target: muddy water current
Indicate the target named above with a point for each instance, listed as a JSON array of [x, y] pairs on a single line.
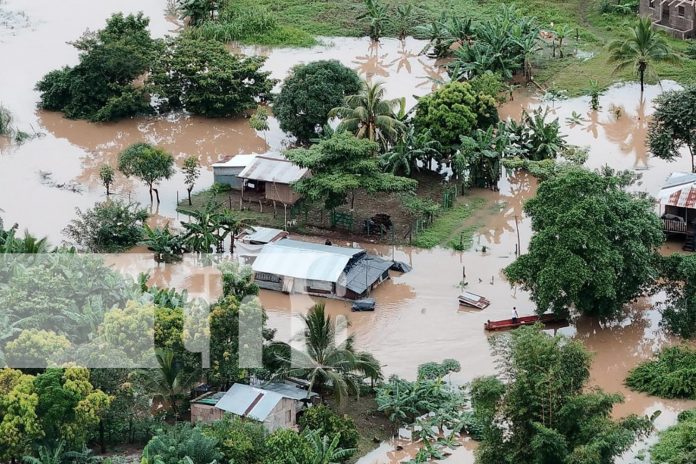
[[417, 318]]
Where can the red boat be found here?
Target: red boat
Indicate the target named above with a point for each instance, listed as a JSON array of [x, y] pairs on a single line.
[[507, 324]]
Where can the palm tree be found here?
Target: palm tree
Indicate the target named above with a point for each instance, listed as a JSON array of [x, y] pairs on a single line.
[[326, 364], [642, 49], [369, 115], [325, 451], [529, 45], [166, 246], [168, 383]]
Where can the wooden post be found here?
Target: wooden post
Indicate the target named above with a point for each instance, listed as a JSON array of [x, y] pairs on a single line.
[[517, 227], [285, 221]]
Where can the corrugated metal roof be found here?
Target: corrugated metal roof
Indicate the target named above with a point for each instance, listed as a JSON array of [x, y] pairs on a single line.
[[272, 169], [320, 247], [303, 262], [247, 401], [256, 402], [679, 190], [238, 161], [263, 234], [365, 272]]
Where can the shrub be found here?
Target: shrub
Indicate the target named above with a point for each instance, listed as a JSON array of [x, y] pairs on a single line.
[[677, 444], [671, 375], [284, 446], [329, 423], [241, 441], [434, 370], [109, 227], [173, 444]]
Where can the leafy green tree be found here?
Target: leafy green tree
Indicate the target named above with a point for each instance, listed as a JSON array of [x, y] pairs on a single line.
[[259, 120], [109, 227], [174, 444], [643, 48], [204, 78], [677, 444], [454, 110], [147, 163], [369, 115], [340, 166], [544, 413], [35, 348], [482, 153], [673, 125], [20, 427], [100, 87], [309, 93], [594, 244], [106, 175], [327, 364], [69, 407], [323, 419], [286, 446], [191, 170], [240, 441], [237, 280], [678, 279]]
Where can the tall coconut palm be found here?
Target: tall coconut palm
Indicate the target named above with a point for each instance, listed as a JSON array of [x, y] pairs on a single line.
[[369, 115], [326, 364], [169, 383], [642, 49]]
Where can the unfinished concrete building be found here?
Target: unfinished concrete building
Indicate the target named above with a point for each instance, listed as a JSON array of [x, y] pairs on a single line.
[[676, 17]]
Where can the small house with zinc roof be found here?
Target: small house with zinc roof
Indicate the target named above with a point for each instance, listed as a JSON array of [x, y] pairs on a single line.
[[293, 266], [273, 175], [276, 405]]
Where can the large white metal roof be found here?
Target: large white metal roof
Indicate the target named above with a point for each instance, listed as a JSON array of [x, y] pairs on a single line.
[[304, 260]]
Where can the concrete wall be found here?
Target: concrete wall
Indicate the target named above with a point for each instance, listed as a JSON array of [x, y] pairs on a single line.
[[667, 18]]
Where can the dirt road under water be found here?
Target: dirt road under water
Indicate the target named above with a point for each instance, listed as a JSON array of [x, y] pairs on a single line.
[[417, 317]]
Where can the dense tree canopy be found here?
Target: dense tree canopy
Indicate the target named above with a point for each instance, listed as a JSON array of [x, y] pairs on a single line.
[[203, 77], [673, 125], [100, 87], [678, 279], [543, 414], [594, 244], [309, 93], [452, 111], [340, 166]]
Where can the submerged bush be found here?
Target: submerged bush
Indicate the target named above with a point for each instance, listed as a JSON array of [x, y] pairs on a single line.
[[109, 227], [671, 375], [677, 444]]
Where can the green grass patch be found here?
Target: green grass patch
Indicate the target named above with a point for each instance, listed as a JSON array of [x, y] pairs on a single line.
[[449, 229], [671, 375]]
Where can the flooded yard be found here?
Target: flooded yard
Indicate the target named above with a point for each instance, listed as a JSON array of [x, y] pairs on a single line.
[[417, 318]]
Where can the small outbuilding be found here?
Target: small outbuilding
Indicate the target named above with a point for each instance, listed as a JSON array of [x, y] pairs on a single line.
[[276, 405], [292, 266], [676, 17], [273, 175], [257, 235], [227, 172]]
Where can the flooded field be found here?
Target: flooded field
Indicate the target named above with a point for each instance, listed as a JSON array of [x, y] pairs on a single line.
[[417, 318]]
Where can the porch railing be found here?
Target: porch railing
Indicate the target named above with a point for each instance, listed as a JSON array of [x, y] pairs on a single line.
[[672, 226]]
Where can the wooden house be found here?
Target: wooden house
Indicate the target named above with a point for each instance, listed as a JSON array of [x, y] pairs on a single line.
[[273, 176], [677, 206]]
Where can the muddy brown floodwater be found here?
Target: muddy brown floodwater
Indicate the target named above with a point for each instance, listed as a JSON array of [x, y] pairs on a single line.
[[417, 318]]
